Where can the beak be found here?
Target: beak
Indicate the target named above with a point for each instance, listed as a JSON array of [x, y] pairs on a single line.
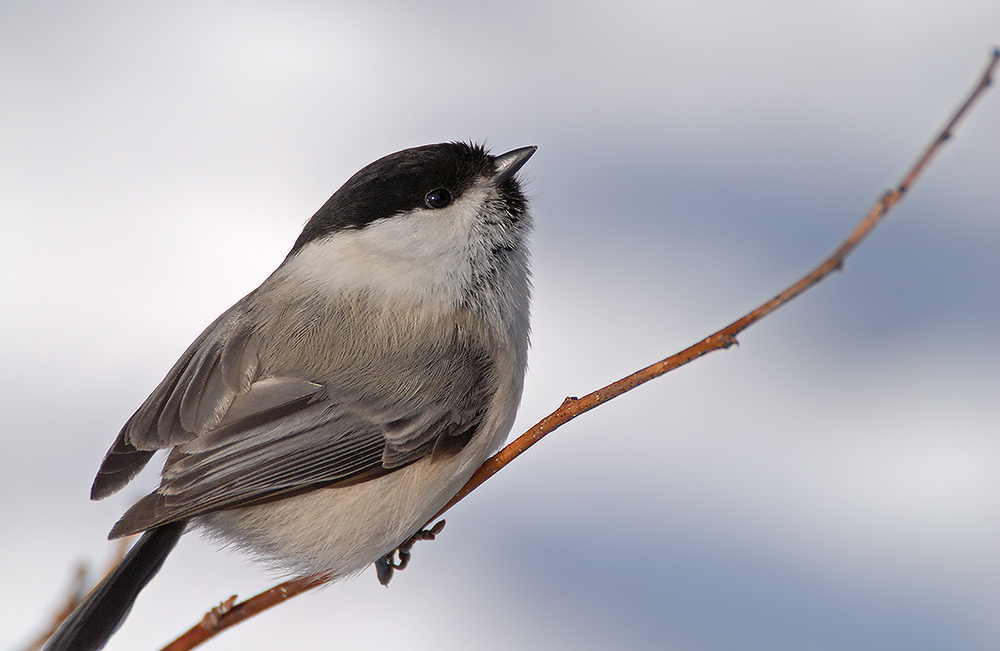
[[508, 164]]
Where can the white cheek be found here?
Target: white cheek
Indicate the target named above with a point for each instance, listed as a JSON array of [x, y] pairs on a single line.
[[421, 256]]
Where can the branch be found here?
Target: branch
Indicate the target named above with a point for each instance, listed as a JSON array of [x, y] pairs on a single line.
[[77, 591], [573, 407], [227, 614]]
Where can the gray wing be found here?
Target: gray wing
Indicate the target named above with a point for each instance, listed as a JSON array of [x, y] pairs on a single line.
[[238, 439], [192, 398]]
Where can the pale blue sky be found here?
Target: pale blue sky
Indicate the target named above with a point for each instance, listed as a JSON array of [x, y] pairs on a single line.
[[833, 483]]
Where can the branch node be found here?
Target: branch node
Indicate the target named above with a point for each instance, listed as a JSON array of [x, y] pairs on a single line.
[[210, 622], [568, 402], [885, 203], [727, 340]]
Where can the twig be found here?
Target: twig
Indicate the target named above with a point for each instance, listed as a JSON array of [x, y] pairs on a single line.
[[77, 591], [573, 407], [227, 614]]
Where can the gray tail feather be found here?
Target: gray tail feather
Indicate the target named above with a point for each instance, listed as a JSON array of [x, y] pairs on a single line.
[[102, 611]]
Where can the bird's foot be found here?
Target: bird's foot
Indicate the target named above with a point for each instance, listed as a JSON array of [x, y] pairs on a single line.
[[385, 566]]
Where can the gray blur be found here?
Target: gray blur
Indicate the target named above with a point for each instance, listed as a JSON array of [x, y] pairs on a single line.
[[833, 483]]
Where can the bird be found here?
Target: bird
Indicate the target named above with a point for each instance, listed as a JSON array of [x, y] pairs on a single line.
[[327, 416]]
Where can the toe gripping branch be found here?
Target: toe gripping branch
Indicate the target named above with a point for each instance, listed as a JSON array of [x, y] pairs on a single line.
[[385, 566]]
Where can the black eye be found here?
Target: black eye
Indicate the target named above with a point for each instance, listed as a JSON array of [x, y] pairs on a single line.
[[438, 198]]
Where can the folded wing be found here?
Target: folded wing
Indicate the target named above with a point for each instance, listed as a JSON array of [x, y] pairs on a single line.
[[237, 439]]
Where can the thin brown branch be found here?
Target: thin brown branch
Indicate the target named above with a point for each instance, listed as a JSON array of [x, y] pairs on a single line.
[[77, 591], [74, 595], [573, 407], [227, 615]]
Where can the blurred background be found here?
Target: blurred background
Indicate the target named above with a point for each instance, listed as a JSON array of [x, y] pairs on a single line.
[[832, 483]]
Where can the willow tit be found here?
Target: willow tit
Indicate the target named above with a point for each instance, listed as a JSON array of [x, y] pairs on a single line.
[[328, 415]]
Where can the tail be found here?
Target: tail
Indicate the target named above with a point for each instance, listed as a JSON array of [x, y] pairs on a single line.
[[102, 611]]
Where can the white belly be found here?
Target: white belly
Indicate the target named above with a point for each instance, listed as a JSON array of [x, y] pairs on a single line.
[[343, 530]]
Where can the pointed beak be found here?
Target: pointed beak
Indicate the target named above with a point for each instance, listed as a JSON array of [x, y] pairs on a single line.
[[508, 164]]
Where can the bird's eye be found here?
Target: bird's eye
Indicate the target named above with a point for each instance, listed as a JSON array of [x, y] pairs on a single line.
[[438, 198]]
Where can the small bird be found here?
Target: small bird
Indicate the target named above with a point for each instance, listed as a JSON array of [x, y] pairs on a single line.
[[321, 421]]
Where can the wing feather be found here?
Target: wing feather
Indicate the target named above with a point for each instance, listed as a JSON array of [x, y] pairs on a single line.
[[286, 436], [239, 438], [193, 396]]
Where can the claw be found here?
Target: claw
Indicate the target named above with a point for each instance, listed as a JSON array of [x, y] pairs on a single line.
[[385, 566]]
